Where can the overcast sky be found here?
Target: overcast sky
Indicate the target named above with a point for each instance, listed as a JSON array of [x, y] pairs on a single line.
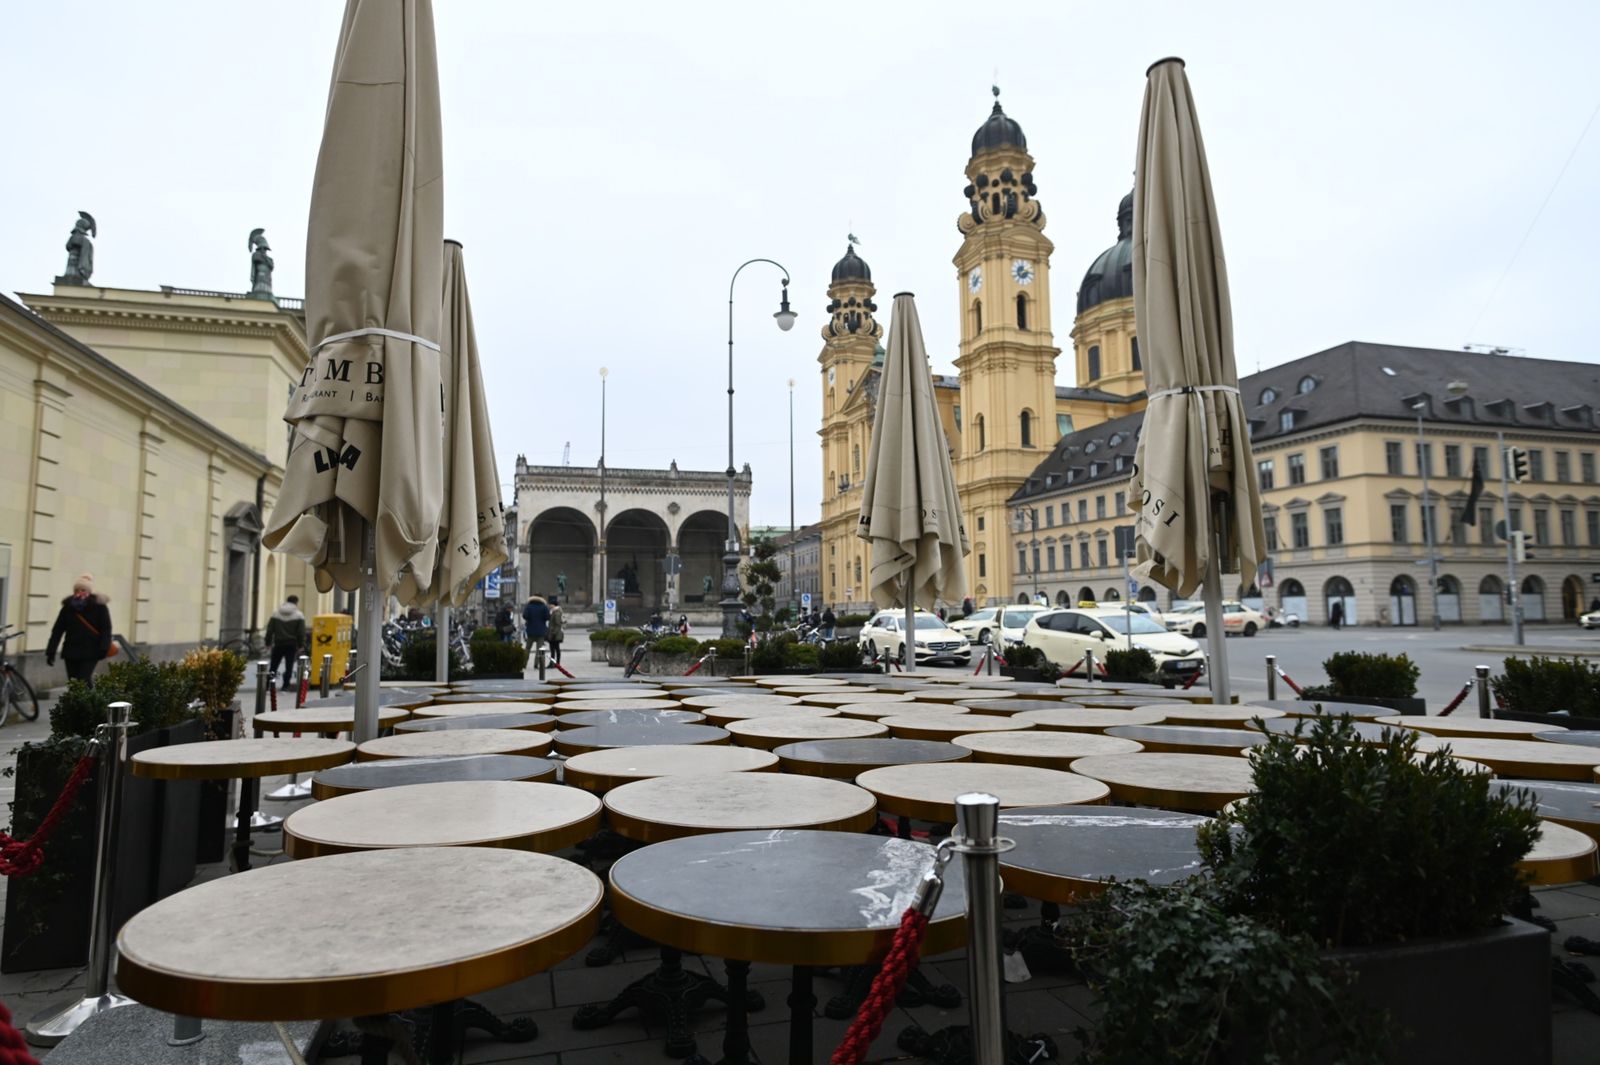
[[607, 166]]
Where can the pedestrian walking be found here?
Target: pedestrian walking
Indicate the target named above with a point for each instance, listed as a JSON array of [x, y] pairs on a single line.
[[828, 622], [1336, 614], [506, 625], [555, 630], [82, 630], [286, 635], [536, 621]]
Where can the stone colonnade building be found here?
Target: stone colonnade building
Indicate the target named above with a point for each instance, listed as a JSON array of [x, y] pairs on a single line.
[[654, 538]]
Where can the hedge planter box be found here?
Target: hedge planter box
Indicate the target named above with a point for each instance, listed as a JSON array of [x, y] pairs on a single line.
[[1566, 721], [597, 651], [1412, 705], [617, 654], [1026, 673], [1478, 998], [215, 815], [47, 914]]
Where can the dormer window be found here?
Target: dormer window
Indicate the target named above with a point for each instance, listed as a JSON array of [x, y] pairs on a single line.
[[1307, 385], [1119, 462], [1502, 408], [1287, 419], [1268, 395], [1543, 411], [1578, 413], [1091, 447], [1116, 438]]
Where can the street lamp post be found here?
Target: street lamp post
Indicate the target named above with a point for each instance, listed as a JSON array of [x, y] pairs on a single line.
[[601, 545], [1428, 512], [1029, 517], [730, 553], [794, 592]]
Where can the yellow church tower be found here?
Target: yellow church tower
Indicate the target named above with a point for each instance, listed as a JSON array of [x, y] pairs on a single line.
[[850, 352], [1007, 360]]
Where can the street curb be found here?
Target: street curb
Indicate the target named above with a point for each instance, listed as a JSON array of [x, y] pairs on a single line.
[[1548, 652]]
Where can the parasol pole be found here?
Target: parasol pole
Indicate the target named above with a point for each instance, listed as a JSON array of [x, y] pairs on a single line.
[[441, 641], [1221, 686], [911, 621], [369, 618]]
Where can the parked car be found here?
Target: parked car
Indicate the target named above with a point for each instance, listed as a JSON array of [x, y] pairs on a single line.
[[1591, 620], [1009, 620], [1237, 620], [934, 640], [1063, 635]]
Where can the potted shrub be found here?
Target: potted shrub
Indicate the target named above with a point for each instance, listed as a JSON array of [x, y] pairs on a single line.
[[418, 660], [46, 919], [597, 644], [771, 654], [729, 661], [673, 655], [1132, 665], [848, 626], [217, 676], [1402, 868], [619, 645], [1370, 680], [840, 656], [1029, 663], [802, 657], [1555, 690], [494, 658]]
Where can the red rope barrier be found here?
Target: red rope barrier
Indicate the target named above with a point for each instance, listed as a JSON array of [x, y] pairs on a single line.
[[13, 1048], [272, 693], [1289, 681], [22, 857], [1462, 694], [692, 670], [305, 690], [886, 987], [1192, 678]]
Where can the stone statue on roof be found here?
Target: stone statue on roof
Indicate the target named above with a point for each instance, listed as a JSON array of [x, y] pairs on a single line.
[[260, 265], [80, 251]]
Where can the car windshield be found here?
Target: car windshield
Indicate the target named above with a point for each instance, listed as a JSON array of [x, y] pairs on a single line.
[[929, 621], [1141, 625], [1017, 617]]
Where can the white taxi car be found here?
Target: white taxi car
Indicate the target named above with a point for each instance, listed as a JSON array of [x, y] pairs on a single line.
[[1063, 635], [1008, 621], [1591, 620], [1237, 620], [934, 640]]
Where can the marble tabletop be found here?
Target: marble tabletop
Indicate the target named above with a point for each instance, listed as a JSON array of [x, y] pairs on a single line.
[[669, 807], [629, 716], [494, 917], [399, 772], [600, 771], [928, 791], [1195, 782], [945, 726], [1560, 855], [1090, 719], [238, 759], [767, 733], [604, 737], [848, 759], [1521, 757], [322, 719], [1478, 727], [1314, 707], [1036, 747], [1190, 739], [764, 708], [458, 742], [1237, 715], [531, 722], [1068, 853]]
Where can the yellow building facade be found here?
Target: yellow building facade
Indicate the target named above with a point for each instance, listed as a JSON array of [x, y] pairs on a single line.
[[1003, 411]]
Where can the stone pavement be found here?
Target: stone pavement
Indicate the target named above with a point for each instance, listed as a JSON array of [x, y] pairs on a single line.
[[1052, 1004]]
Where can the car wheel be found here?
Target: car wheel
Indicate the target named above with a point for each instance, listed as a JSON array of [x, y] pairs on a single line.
[[983, 637], [1198, 631], [1294, 624], [872, 650], [1249, 628], [902, 655]]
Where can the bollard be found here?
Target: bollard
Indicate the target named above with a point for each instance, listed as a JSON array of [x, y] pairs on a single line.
[[263, 667], [350, 665], [538, 658], [988, 657], [1272, 677], [1088, 663], [327, 676], [976, 838], [58, 1022], [257, 820], [1483, 690], [302, 680]]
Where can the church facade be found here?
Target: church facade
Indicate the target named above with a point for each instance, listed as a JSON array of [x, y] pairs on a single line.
[[1003, 411]]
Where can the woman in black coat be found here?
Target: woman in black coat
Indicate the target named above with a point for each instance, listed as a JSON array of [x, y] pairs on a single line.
[[82, 630]]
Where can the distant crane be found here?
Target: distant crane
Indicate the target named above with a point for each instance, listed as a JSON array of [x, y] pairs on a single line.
[[566, 454]]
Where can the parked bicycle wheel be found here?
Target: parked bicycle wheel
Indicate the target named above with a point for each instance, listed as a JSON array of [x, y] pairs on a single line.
[[20, 696]]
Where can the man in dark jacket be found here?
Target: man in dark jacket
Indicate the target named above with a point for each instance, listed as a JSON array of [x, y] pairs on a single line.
[[82, 630], [286, 635], [536, 621]]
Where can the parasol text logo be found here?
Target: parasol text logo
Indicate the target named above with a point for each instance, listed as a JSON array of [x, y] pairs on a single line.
[[328, 458]]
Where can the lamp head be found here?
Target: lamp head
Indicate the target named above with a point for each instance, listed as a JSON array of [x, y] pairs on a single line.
[[603, 373], [784, 316]]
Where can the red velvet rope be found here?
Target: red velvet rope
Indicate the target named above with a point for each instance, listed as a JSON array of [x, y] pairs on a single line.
[[1290, 682], [22, 857], [1192, 678], [886, 987], [1462, 694], [305, 690], [272, 692], [13, 1048]]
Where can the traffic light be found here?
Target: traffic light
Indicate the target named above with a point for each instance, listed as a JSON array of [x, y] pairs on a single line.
[[1517, 463], [1519, 545]]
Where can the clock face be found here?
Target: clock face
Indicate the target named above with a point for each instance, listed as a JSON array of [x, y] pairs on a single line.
[[975, 279], [1022, 270]]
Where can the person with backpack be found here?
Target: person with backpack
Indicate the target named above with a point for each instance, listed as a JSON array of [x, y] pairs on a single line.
[[286, 635], [556, 629], [82, 630]]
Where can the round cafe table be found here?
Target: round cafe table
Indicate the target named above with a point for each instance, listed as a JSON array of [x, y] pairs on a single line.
[[1576, 737], [755, 695], [322, 719], [399, 772], [1047, 750], [246, 761], [1573, 805], [604, 737], [459, 813], [668, 807], [1089, 719], [600, 771], [1190, 739], [1521, 758], [779, 729], [848, 759], [1129, 702], [763, 708], [513, 685], [1560, 855], [1489, 728], [588, 718], [879, 711], [578, 706], [1316, 707], [804, 899], [1236, 716], [948, 726], [1366, 731], [1203, 783], [1068, 853], [478, 709], [965, 696], [340, 936], [545, 696], [928, 792], [529, 722], [810, 682], [1007, 707], [459, 742], [843, 698]]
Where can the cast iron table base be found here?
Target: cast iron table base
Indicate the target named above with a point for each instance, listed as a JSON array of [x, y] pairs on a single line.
[[918, 991], [953, 1046], [669, 994]]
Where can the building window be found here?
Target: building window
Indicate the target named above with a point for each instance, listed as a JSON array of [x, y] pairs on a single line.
[[958, 417], [1563, 466], [1297, 468], [1094, 362], [1333, 525], [1022, 559], [1307, 384], [855, 462], [1269, 526], [1036, 558], [1535, 464], [1027, 428], [1541, 525], [1268, 396], [1424, 457], [1480, 457], [1569, 529], [1515, 519], [1586, 465], [977, 316], [1122, 502], [1049, 516], [1329, 459], [1458, 530], [1083, 510], [1099, 506], [1050, 556], [1100, 547], [1066, 555], [1392, 461], [1286, 420], [1083, 554], [1486, 525], [1022, 311], [983, 565], [980, 523], [1264, 473], [1591, 518], [1398, 533], [1138, 364], [1452, 460], [1300, 529], [1063, 424], [977, 424]]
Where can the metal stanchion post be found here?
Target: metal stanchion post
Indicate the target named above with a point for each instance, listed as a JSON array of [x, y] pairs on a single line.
[[977, 828], [1482, 673], [1272, 676], [327, 675], [350, 664], [988, 658], [1088, 664], [302, 670], [539, 658], [58, 1022], [253, 819]]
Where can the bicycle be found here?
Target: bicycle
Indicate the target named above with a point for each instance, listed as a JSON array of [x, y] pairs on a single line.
[[16, 694]]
